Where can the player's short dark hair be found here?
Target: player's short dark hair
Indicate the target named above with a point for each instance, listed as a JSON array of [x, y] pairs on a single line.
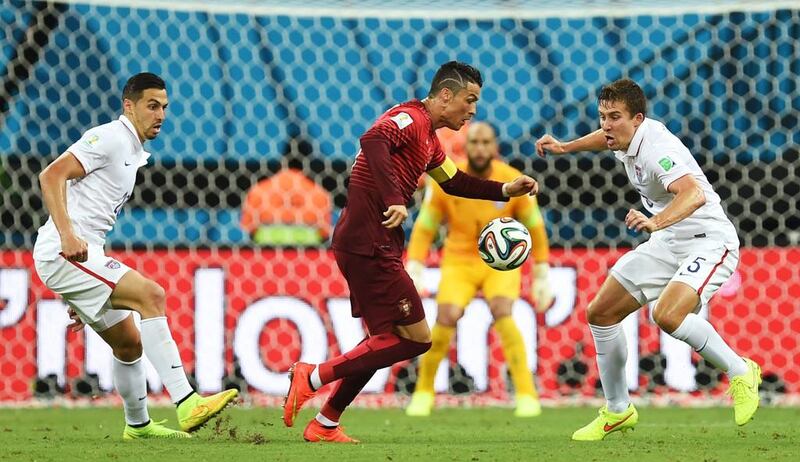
[[454, 75], [137, 84], [625, 91]]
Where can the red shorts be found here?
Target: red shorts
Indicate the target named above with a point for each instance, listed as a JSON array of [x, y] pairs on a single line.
[[380, 291]]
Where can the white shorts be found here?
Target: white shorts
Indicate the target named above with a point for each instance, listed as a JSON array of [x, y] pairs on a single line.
[[86, 286], [703, 265]]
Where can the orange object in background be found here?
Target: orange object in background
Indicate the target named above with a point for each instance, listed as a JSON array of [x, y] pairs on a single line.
[[454, 142], [287, 198]]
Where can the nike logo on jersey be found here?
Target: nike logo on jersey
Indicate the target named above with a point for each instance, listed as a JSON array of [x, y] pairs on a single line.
[[607, 428], [128, 164], [142, 398], [176, 367]]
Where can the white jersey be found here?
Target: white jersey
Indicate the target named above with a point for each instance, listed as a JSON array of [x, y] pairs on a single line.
[[656, 158], [110, 155]]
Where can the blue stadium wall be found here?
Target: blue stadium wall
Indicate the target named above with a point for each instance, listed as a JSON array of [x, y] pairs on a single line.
[[243, 86]]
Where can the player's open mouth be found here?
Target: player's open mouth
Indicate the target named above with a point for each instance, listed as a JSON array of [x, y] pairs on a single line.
[[609, 140]]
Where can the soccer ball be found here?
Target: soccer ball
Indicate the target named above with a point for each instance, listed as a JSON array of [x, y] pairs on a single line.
[[504, 244]]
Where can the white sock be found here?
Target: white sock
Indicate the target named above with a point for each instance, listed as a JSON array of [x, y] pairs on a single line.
[[326, 422], [162, 351], [702, 336], [316, 382], [612, 353], [130, 381]]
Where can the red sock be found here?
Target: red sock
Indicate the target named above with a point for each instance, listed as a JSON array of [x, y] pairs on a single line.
[[375, 353], [343, 394]]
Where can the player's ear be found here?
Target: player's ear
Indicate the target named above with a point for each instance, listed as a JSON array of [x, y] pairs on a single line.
[[446, 95], [127, 105]]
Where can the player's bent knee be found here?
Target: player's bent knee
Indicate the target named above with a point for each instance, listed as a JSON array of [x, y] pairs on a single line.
[[598, 314], [422, 338], [668, 318], [500, 309], [154, 301], [449, 315]]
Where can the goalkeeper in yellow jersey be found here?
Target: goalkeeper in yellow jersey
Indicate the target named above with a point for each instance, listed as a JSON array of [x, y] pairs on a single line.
[[463, 273]]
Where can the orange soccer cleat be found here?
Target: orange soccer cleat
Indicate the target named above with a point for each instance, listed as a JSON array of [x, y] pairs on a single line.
[[300, 391], [316, 433]]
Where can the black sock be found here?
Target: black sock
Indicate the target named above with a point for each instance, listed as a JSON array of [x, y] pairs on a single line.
[[140, 425], [184, 398]]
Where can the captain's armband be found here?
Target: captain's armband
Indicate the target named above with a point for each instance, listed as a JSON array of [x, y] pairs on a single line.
[[444, 172]]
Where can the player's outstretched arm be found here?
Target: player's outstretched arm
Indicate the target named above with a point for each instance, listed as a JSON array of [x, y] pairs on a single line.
[[53, 181], [595, 141], [520, 186], [457, 183]]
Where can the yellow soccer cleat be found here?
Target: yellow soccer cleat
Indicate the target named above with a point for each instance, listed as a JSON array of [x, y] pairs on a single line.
[[152, 430], [607, 422], [527, 406], [744, 391], [421, 404], [196, 411]]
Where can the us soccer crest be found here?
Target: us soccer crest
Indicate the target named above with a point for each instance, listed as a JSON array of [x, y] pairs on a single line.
[[405, 307], [112, 264], [639, 174]]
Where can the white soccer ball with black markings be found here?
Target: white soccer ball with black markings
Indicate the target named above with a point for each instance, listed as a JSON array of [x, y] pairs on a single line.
[[504, 244]]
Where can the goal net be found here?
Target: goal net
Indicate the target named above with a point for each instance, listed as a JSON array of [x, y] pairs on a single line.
[[258, 90]]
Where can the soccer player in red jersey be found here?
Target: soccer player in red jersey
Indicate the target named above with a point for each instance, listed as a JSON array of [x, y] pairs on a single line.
[[368, 241]]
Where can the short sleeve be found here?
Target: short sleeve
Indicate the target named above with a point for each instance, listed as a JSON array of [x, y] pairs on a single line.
[[93, 150], [669, 166]]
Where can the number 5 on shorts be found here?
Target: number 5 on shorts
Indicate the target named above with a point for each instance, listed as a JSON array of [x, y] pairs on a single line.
[[694, 266]]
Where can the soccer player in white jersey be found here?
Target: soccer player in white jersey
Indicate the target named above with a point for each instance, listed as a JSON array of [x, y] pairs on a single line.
[[83, 190], [693, 249]]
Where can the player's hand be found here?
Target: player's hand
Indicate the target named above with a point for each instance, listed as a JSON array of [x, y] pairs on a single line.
[[639, 221], [416, 270], [77, 324], [73, 248], [520, 186], [548, 143], [541, 292], [395, 216]]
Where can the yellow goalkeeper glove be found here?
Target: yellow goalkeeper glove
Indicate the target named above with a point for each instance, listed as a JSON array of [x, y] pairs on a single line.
[[416, 270], [540, 290]]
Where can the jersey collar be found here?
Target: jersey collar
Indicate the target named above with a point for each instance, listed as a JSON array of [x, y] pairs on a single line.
[[636, 142], [127, 123]]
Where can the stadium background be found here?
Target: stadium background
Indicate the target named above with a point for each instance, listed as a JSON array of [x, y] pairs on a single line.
[[252, 85]]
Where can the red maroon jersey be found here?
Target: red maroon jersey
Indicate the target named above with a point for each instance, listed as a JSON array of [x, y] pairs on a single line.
[[377, 181], [414, 148]]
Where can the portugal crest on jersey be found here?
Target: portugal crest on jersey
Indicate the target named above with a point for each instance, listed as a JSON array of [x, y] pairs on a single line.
[[405, 307], [112, 264]]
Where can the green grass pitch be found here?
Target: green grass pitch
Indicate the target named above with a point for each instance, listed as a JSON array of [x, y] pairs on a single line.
[[485, 434]]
